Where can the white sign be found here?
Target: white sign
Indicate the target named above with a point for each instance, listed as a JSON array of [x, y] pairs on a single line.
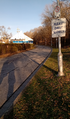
[[57, 11], [58, 27]]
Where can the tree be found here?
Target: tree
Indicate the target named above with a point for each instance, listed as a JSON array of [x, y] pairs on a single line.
[[48, 15], [4, 32], [43, 34]]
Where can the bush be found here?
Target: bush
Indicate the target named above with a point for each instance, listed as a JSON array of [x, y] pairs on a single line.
[[14, 49], [31, 45], [0, 49], [26, 46], [8, 48], [11, 48], [3, 51], [20, 47]]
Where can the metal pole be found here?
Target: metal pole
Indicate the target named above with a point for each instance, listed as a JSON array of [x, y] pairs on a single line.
[[60, 56], [57, 2], [60, 60], [59, 45], [56, 42]]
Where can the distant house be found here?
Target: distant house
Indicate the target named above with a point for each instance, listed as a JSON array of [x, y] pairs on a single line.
[[0, 41], [4, 40], [21, 38]]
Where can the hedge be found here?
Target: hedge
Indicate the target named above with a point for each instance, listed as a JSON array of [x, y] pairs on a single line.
[[11, 48]]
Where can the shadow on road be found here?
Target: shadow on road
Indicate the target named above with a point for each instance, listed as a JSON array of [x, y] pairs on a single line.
[[7, 84]]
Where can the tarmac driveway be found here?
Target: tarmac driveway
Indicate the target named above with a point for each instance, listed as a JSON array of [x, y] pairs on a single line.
[[14, 70]]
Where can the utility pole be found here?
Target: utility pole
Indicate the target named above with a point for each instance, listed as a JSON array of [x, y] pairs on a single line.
[[57, 2], [60, 56]]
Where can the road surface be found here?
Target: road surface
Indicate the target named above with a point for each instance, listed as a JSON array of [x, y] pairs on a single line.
[[14, 70]]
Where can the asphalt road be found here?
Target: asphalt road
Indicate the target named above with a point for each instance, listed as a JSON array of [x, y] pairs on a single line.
[[14, 70]]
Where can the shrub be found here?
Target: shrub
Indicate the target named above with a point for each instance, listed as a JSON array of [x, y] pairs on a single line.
[[8, 48], [31, 45], [20, 47], [26, 46], [14, 49], [11, 48], [4, 49], [0, 49]]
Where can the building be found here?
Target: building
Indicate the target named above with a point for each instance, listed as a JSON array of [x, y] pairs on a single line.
[[21, 38]]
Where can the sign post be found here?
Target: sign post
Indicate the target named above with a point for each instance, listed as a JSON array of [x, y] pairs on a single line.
[[60, 60], [56, 42], [59, 30], [60, 56]]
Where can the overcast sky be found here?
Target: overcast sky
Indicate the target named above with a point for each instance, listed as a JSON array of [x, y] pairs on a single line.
[[22, 14]]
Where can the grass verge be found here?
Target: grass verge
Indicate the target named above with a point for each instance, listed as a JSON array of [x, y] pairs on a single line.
[[47, 96]]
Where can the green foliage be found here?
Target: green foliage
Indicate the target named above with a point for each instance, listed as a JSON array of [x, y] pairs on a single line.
[[47, 96]]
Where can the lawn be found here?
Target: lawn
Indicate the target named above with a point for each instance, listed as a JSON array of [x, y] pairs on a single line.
[[47, 96]]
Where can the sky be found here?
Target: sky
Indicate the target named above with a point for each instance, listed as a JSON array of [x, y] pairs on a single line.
[[22, 14]]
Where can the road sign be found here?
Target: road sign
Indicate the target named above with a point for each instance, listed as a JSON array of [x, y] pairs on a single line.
[[58, 27], [57, 11]]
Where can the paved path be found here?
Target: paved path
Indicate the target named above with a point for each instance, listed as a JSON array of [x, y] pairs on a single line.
[[16, 69]]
